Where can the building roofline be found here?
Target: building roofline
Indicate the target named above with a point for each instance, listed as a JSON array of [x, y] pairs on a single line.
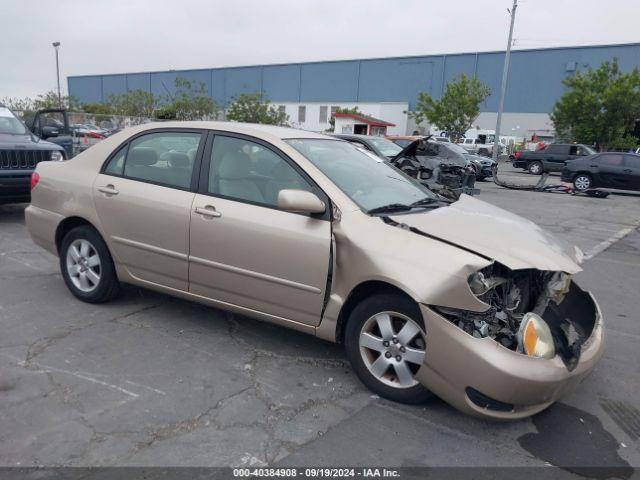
[[374, 122], [315, 62]]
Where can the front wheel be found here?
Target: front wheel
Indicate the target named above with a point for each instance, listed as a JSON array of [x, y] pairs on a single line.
[[582, 182], [385, 342], [535, 168], [87, 267]]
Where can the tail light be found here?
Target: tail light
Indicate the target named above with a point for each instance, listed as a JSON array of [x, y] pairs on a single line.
[[95, 135], [35, 178], [516, 155]]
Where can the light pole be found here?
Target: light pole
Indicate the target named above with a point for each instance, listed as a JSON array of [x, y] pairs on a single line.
[[505, 74], [56, 45]]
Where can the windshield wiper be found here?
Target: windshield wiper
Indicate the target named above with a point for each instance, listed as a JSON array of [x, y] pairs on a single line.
[[392, 207], [428, 201]]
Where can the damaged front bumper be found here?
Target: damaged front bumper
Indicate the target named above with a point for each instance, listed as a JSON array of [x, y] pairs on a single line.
[[481, 377]]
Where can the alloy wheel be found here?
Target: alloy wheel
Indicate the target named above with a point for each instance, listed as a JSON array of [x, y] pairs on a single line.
[[582, 182], [83, 265], [392, 347], [535, 168]]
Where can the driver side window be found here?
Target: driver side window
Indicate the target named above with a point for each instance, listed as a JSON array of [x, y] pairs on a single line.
[[247, 171]]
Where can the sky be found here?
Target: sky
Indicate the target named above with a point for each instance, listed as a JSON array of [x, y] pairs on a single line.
[[115, 36]]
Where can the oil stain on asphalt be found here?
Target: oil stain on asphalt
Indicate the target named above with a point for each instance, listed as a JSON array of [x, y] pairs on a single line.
[[575, 441]]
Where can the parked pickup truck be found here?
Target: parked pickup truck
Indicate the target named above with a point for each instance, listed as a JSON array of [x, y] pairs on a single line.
[[552, 158]]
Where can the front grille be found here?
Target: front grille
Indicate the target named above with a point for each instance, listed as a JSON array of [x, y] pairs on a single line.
[[22, 159]]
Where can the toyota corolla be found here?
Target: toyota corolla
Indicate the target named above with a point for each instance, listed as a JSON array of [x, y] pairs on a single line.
[[459, 298]]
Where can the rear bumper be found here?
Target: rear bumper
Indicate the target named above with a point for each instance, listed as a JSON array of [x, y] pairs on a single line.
[[458, 364], [42, 225], [15, 188]]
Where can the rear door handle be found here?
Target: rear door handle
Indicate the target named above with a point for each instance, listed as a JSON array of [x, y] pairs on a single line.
[[208, 211], [108, 189]]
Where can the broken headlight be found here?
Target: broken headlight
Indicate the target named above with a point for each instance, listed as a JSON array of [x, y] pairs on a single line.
[[534, 337]]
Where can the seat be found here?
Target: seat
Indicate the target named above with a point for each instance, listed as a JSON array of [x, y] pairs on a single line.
[[140, 164], [178, 170], [282, 176], [233, 179]]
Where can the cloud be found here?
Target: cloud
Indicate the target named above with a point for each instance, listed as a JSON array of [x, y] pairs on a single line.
[[124, 36]]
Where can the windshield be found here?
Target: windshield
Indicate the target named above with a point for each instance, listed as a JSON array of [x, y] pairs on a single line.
[[10, 124], [369, 183], [386, 147], [457, 148], [588, 150]]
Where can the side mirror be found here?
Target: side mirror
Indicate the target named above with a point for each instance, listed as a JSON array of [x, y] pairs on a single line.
[[300, 201], [49, 132]]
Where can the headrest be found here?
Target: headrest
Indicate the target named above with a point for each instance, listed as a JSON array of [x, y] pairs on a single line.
[[234, 166], [142, 157], [176, 159], [192, 153], [283, 171]]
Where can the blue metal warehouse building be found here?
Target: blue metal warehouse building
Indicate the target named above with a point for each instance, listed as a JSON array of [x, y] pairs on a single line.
[[535, 79]]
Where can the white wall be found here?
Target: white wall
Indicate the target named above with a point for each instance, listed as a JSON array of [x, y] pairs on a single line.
[[518, 125], [390, 112]]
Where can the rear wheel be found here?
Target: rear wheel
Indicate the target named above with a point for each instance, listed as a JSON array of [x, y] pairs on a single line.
[[386, 343], [535, 168], [87, 266], [582, 182]]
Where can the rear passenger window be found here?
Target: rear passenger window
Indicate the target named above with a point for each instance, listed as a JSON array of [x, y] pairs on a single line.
[[632, 161], [166, 158]]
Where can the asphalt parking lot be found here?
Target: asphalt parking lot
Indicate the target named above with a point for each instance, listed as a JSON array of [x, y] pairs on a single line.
[[151, 380]]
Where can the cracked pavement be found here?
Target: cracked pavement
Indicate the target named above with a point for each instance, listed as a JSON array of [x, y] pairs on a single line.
[[149, 380]]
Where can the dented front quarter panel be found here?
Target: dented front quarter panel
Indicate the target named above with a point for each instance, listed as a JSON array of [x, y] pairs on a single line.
[[368, 249]]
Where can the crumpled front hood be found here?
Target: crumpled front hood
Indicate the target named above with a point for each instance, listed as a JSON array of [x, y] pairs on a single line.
[[497, 234]]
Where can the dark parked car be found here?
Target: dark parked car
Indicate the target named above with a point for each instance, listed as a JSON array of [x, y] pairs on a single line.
[[382, 147], [20, 152], [552, 158], [607, 170]]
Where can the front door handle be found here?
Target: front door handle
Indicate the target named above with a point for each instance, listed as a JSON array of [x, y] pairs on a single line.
[[108, 189], [208, 211]]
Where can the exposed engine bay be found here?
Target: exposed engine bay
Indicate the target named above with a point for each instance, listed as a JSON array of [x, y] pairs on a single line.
[[558, 308], [440, 169]]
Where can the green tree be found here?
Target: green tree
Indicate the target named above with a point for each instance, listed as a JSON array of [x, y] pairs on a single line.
[[189, 102], [136, 103], [255, 108], [599, 108], [96, 108], [18, 104], [50, 100], [43, 101], [332, 120], [456, 109]]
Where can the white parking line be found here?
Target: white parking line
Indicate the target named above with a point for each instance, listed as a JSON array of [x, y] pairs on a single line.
[[616, 237]]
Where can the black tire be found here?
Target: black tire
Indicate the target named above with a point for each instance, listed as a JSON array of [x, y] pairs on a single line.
[[582, 182], [535, 168], [108, 286], [359, 316]]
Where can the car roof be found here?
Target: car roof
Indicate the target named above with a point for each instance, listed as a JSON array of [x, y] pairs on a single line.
[[254, 129]]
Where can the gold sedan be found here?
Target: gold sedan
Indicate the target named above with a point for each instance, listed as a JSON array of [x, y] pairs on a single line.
[[461, 299]]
